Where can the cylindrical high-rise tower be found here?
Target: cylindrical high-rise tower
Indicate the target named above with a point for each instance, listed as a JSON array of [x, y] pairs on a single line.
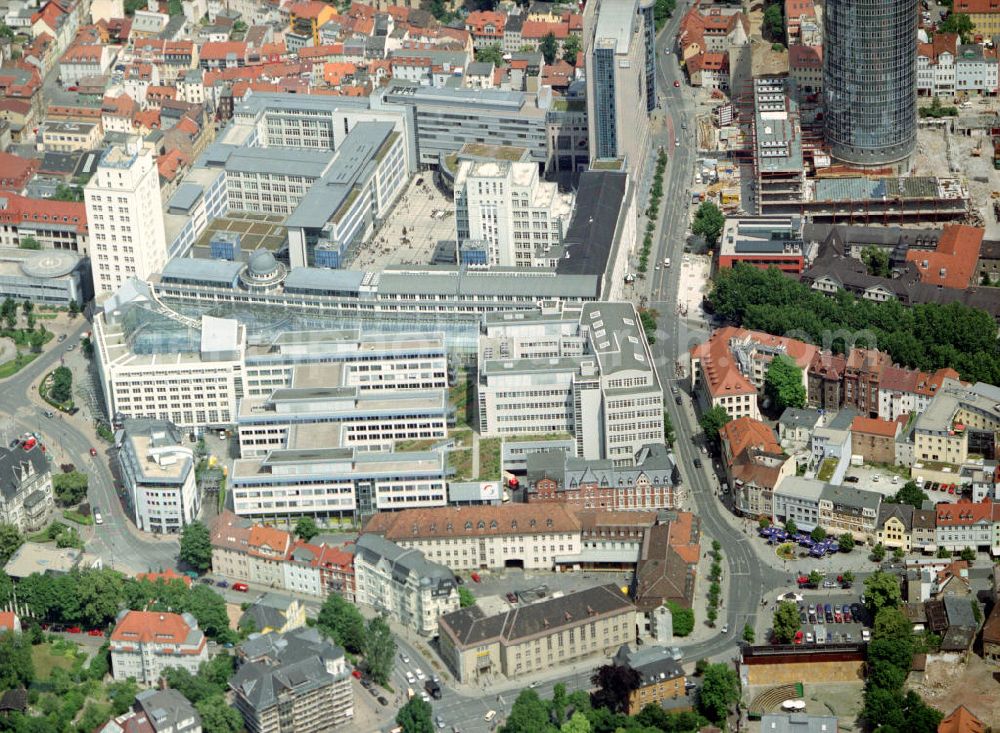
[[870, 79]]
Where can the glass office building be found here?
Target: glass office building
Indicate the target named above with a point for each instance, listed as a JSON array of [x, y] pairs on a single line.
[[870, 80]]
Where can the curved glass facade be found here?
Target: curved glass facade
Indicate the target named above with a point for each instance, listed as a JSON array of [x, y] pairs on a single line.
[[870, 79]]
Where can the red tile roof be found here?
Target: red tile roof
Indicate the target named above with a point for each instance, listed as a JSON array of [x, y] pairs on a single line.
[[220, 50], [953, 263], [961, 719], [538, 29], [745, 432], [151, 627], [23, 211], [964, 513], [465, 521], [976, 6], [166, 576], [8, 621], [311, 9], [720, 367], [15, 171], [874, 426]]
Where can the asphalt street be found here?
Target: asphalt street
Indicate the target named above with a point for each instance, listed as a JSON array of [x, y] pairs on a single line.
[[70, 438]]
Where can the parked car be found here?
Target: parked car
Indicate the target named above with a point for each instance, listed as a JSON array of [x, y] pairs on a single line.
[[93, 451], [207, 581], [410, 678], [799, 636], [74, 630], [241, 587], [475, 577], [95, 632], [512, 597], [222, 583], [98, 519], [382, 701], [866, 635]]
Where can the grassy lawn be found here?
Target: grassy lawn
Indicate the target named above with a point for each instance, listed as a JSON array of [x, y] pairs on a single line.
[[461, 436], [539, 437], [75, 516], [46, 658], [458, 398], [461, 461], [826, 469], [489, 458], [16, 364], [417, 444]]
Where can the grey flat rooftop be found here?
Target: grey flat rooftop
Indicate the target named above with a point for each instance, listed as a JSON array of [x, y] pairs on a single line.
[[615, 21], [222, 272], [185, 196], [590, 236], [276, 161], [323, 280], [412, 91]]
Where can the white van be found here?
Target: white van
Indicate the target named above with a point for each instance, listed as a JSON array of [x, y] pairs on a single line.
[[98, 519], [490, 714]]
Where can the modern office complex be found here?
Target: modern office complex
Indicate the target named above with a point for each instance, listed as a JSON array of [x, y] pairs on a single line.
[[337, 482], [870, 95], [520, 218], [619, 59], [401, 582], [53, 278], [586, 371], [125, 217], [158, 476], [155, 363]]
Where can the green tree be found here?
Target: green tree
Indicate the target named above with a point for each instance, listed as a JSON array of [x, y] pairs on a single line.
[[848, 577], [878, 552], [882, 591], [790, 526], [774, 23], [786, 622], [763, 522], [668, 430], [712, 421], [898, 554], [99, 596], [815, 578], [549, 48], [62, 385], [845, 543], [29, 242], [16, 665], [876, 259], [36, 339], [196, 547], [465, 597], [943, 553], [529, 713], [910, 494], [683, 618], [10, 540], [749, 635], [306, 529], [68, 193], [968, 554], [818, 534], [662, 10], [959, 23], [415, 717], [70, 488], [380, 650], [571, 47], [579, 722], [219, 717], [74, 309], [719, 690], [708, 222], [783, 383], [209, 610], [490, 55], [6, 31], [343, 623], [614, 685]]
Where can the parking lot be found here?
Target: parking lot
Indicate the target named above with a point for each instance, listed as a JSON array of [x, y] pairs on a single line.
[[832, 627]]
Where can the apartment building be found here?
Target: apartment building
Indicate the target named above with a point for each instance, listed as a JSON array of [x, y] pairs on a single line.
[[661, 679], [295, 682], [966, 524], [797, 498], [69, 137], [845, 509], [53, 224], [521, 218], [536, 637], [26, 497], [402, 583], [754, 464], [836, 381], [585, 371], [154, 363], [158, 476], [984, 14], [262, 555], [144, 643], [936, 66], [621, 80], [125, 218], [895, 526], [729, 369], [530, 536], [652, 483], [903, 391], [156, 711], [977, 70], [961, 421]]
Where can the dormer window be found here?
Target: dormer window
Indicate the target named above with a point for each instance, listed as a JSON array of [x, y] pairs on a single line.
[[482, 524]]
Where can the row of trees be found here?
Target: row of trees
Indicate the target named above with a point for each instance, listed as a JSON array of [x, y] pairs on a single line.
[[549, 48], [927, 337], [92, 598], [652, 212]]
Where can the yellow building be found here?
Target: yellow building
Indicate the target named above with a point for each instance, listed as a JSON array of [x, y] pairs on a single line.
[[308, 17], [895, 526], [984, 14], [662, 678], [274, 612]]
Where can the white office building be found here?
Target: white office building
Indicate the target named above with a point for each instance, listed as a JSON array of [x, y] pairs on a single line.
[[521, 218], [125, 217], [154, 363], [414, 591], [158, 476], [587, 371]]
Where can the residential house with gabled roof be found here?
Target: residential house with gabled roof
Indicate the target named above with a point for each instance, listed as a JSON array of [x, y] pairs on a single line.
[[144, 643], [964, 524], [961, 720], [895, 526]]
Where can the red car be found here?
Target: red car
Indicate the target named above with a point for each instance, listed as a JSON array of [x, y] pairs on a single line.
[[241, 587], [803, 580], [798, 637], [676, 83], [74, 630], [356, 674], [93, 451], [95, 632], [475, 577]]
